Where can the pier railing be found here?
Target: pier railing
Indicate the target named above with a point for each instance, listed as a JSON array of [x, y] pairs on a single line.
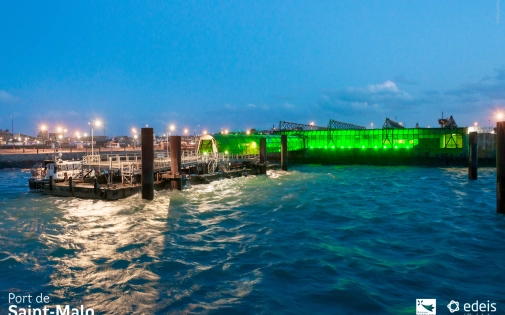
[[131, 164]]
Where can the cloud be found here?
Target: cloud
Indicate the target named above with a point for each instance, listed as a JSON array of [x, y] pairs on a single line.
[[374, 97], [405, 80], [487, 91], [6, 98]]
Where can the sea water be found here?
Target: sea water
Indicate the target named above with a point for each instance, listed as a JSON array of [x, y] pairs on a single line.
[[314, 240]]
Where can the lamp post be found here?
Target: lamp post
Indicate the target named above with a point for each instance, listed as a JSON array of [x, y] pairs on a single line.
[[43, 130], [96, 123], [134, 135]]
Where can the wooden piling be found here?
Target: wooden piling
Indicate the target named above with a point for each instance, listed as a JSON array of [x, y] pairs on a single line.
[[500, 167], [70, 186], [284, 152], [51, 183], [95, 186], [147, 149], [263, 156], [472, 157], [37, 150], [175, 162]]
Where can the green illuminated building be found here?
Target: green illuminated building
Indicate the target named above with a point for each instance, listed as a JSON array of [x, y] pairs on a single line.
[[387, 138]]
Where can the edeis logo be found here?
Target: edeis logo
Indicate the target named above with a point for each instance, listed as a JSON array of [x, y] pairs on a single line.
[[426, 306]]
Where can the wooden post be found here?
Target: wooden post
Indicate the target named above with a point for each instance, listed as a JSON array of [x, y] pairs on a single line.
[[95, 185], [472, 157], [500, 167], [37, 150], [147, 149], [175, 162], [284, 152], [51, 183], [263, 156], [70, 186]]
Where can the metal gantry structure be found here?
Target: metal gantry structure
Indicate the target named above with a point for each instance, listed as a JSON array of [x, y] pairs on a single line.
[[335, 124], [389, 126], [285, 125]]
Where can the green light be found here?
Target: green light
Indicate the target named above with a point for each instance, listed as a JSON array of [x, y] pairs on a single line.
[[384, 147], [349, 147], [333, 147], [225, 152], [325, 147], [311, 147], [407, 147], [342, 147], [376, 147], [396, 147], [363, 147]]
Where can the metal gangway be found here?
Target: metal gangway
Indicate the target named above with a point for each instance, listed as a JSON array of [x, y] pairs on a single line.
[[130, 165]]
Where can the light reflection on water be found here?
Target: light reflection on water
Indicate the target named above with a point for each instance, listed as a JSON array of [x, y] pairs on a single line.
[[361, 240]]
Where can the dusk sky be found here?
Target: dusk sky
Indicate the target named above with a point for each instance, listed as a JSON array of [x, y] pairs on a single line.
[[249, 64]]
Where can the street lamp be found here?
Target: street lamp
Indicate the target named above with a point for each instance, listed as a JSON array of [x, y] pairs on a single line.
[[134, 135], [96, 123], [43, 129]]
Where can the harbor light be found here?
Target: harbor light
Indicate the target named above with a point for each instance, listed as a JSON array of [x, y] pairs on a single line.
[[96, 123], [499, 116]]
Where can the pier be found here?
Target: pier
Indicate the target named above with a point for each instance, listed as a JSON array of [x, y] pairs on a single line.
[[118, 174]]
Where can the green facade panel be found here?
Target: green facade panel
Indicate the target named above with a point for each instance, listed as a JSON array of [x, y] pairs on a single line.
[[421, 138], [249, 144]]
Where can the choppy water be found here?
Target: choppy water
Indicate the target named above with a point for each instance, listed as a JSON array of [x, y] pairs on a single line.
[[317, 239]]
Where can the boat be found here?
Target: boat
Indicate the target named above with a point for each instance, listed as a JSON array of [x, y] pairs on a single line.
[[113, 145], [59, 170]]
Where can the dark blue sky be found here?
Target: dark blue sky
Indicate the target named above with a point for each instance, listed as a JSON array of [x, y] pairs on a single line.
[[248, 64]]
